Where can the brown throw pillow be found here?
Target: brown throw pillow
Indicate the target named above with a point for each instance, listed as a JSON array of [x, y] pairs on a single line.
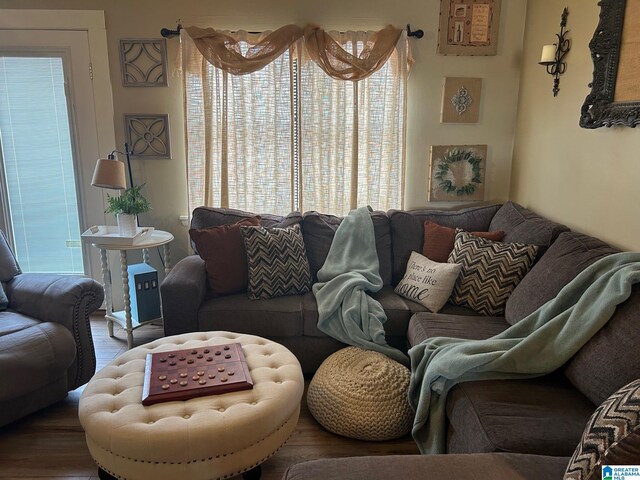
[[439, 240], [222, 250]]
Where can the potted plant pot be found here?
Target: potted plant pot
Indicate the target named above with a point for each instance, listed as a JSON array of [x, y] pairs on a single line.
[[127, 224]]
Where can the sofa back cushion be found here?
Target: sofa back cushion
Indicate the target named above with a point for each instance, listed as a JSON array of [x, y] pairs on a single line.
[[205, 217], [319, 229], [407, 229], [524, 226], [569, 255], [9, 267], [610, 359]]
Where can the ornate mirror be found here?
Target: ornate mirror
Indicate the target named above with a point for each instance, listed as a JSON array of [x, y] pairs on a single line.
[[615, 50]]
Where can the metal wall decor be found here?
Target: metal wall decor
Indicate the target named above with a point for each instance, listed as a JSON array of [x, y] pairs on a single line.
[[615, 96], [461, 100], [143, 62], [148, 135], [556, 65]]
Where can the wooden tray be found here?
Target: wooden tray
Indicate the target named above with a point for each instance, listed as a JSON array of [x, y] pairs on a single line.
[[195, 372]]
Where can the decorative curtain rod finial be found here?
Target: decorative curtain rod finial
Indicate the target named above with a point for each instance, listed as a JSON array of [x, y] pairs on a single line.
[[417, 33], [168, 33]]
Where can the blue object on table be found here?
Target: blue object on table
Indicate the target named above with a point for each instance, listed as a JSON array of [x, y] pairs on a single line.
[[144, 292]]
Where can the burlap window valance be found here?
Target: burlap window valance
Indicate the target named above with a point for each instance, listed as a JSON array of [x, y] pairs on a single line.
[[223, 50]]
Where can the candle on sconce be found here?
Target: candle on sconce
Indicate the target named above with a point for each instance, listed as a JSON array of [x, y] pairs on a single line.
[[548, 54]]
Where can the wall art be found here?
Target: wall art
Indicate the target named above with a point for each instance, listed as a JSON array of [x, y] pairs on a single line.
[[148, 135], [457, 173], [143, 62], [615, 91], [461, 100], [469, 27]]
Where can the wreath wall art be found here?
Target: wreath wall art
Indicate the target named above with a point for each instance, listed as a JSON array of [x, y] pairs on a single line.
[[457, 173]]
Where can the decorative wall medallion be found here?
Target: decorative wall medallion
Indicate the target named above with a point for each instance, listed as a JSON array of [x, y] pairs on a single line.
[[143, 62], [461, 100], [457, 173], [148, 135]]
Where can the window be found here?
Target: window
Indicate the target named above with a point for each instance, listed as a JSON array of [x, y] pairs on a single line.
[[289, 137]]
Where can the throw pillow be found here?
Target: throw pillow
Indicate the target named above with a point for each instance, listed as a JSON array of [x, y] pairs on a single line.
[[612, 436], [428, 282], [222, 250], [490, 271], [4, 301], [439, 240], [277, 261]]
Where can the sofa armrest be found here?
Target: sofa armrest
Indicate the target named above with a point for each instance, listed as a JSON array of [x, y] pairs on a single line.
[[64, 299], [183, 291]]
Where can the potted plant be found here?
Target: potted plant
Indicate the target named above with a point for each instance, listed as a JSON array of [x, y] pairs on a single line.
[[126, 208]]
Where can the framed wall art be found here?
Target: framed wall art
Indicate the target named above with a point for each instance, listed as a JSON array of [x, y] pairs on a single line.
[[143, 62], [469, 27], [615, 89], [148, 135], [457, 173], [461, 100]]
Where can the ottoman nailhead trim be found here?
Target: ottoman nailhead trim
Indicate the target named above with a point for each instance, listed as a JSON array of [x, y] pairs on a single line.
[[209, 459], [203, 460]]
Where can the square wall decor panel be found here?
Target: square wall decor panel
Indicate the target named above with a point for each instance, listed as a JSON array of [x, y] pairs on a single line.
[[148, 135], [461, 100], [457, 173], [143, 62]]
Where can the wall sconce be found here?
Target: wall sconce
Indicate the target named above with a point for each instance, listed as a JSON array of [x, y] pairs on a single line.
[[553, 55]]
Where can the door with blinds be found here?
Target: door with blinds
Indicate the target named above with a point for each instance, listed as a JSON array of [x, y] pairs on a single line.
[[48, 145]]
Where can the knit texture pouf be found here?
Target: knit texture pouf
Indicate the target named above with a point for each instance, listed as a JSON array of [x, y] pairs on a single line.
[[361, 394]]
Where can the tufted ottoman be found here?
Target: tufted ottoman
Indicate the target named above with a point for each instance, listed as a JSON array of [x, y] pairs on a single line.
[[217, 436], [361, 394]]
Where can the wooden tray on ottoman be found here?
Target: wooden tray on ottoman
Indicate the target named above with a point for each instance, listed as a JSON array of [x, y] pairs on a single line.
[[195, 372]]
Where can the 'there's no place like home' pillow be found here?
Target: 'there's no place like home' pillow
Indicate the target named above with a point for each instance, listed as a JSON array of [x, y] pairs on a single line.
[[222, 250], [427, 282], [277, 259], [490, 271]]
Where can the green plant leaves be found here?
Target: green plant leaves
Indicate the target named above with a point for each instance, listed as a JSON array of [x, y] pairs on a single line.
[[130, 202]]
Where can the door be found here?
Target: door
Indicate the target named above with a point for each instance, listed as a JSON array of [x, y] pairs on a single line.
[[48, 149]]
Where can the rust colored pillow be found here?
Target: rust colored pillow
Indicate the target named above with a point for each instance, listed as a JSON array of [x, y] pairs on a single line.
[[439, 240], [222, 250]]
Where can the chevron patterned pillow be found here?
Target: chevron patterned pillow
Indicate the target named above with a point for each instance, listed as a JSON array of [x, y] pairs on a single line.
[[278, 264], [490, 271], [612, 436]]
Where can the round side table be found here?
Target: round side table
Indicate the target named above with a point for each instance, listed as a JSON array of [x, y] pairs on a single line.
[[124, 318]]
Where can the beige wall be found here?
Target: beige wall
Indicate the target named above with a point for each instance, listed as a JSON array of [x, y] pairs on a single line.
[[587, 179], [166, 179]]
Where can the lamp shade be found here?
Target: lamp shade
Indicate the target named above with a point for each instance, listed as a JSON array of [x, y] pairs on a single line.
[[109, 173]]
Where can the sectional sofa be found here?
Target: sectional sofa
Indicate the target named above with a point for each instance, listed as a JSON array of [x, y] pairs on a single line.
[[543, 416]]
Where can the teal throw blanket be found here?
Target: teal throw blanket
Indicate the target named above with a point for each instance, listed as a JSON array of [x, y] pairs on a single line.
[[345, 311], [538, 344]]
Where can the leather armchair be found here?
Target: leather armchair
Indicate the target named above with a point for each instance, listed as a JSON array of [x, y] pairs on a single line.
[[46, 348]]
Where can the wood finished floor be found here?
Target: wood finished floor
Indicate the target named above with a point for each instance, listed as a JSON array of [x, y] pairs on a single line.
[[51, 443]]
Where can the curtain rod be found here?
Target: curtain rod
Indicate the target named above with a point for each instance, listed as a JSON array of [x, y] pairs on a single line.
[[168, 33]]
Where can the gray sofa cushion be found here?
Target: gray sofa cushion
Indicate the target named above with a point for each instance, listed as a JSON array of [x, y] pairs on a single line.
[[571, 253], [275, 317], [407, 229], [8, 264], [496, 466], [394, 305], [610, 359], [544, 416], [319, 229], [11, 322], [524, 226], [429, 325]]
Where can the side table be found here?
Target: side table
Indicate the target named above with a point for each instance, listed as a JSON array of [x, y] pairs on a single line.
[[123, 317]]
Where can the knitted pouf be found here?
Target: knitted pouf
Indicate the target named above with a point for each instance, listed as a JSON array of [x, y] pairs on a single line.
[[361, 394]]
